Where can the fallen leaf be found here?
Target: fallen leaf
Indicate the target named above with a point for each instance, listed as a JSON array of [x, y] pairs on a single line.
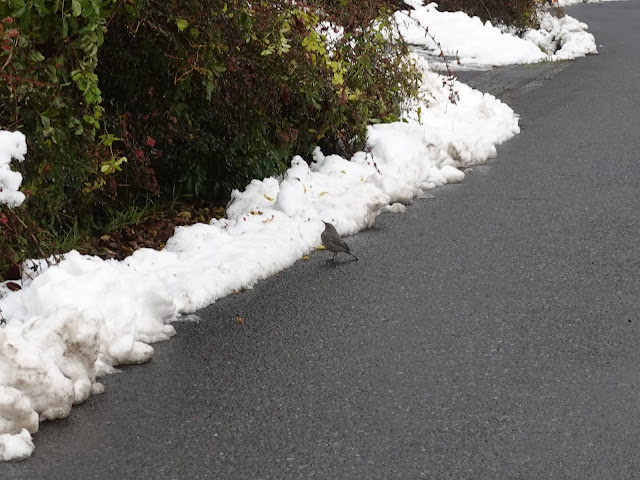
[[13, 273], [268, 197], [240, 320], [305, 257], [219, 212]]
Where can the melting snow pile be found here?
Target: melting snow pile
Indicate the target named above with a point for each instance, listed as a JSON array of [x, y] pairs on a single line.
[[566, 3], [562, 38], [481, 45]]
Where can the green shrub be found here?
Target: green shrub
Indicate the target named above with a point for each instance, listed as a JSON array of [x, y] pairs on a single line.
[[231, 91], [49, 91], [121, 98], [519, 14]]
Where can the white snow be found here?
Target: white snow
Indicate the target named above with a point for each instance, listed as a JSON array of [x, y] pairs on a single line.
[[12, 145], [75, 321], [16, 447], [566, 3], [563, 38], [469, 43]]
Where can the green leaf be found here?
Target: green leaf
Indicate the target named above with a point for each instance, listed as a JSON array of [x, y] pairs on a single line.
[[100, 40], [78, 127], [46, 121], [76, 6], [182, 24], [25, 21], [39, 5], [36, 56], [20, 12], [89, 10], [269, 50], [77, 75]]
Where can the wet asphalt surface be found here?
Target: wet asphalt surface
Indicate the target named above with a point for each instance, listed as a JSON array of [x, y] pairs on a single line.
[[491, 332]]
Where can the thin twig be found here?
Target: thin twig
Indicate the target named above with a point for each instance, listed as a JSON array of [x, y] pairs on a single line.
[[488, 12], [28, 80]]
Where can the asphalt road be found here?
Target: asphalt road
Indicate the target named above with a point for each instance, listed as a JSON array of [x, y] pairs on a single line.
[[491, 332]]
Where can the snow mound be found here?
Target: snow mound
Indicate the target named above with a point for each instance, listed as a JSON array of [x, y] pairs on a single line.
[[12, 145], [473, 44], [564, 38], [566, 3]]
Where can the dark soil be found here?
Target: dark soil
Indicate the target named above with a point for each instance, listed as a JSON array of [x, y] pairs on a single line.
[[152, 232]]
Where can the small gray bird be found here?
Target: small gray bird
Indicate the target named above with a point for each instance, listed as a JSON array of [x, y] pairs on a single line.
[[333, 242]]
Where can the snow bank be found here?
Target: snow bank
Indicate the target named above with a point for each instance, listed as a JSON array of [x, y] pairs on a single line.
[[563, 38], [77, 320], [475, 44], [566, 3], [12, 145], [481, 45]]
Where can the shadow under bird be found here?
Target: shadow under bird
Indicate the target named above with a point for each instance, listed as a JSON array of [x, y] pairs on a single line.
[[333, 242]]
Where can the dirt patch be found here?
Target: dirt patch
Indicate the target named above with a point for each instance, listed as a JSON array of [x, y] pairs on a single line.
[[152, 232]]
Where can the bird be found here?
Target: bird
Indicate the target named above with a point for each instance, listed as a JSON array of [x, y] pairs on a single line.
[[333, 242]]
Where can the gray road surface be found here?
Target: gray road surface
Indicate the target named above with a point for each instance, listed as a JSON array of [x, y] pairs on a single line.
[[492, 332]]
